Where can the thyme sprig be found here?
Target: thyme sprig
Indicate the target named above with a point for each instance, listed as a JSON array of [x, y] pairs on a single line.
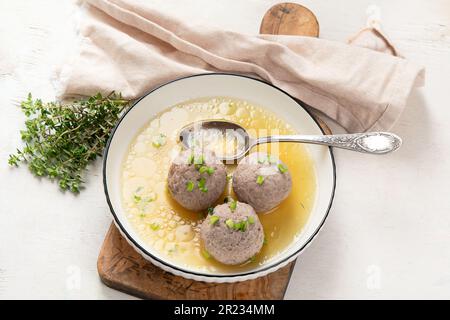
[[62, 139]]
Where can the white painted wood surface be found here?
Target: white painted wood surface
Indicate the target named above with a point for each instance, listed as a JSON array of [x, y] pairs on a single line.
[[388, 235]]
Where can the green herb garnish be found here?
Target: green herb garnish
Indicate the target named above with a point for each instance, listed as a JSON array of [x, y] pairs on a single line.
[[190, 186], [251, 219], [282, 168], [206, 254], [271, 159], [202, 185], [61, 140], [261, 160], [209, 170], [230, 223], [154, 226], [138, 198], [210, 210], [240, 226], [232, 204], [213, 219], [159, 140], [190, 159], [260, 180], [199, 160]]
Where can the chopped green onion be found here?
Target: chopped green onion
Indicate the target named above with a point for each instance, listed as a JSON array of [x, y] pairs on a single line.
[[142, 215], [213, 219], [202, 185], [190, 159], [232, 205], [210, 210], [137, 198], [238, 226], [282, 168], [271, 159], [241, 226], [230, 223], [159, 140], [209, 170], [154, 226], [260, 180], [261, 160], [251, 219], [199, 160], [253, 259], [189, 186], [206, 254], [151, 197]]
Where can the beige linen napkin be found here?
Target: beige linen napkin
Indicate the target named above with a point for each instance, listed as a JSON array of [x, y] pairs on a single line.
[[129, 46]]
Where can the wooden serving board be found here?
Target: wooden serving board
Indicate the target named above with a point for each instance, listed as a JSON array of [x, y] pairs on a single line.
[[122, 268]]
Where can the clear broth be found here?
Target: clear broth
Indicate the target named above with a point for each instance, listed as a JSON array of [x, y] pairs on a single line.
[[174, 231]]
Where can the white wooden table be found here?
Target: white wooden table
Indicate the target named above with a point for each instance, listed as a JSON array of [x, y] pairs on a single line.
[[388, 235]]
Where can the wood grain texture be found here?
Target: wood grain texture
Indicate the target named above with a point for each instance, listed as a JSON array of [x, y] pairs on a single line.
[[122, 268], [290, 19]]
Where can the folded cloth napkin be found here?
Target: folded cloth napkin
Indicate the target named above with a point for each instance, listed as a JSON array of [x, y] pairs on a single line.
[[131, 47]]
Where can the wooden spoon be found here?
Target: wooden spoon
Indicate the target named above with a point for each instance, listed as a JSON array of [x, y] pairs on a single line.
[[290, 19]]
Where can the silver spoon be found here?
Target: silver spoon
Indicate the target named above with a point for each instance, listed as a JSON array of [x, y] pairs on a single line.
[[368, 142]]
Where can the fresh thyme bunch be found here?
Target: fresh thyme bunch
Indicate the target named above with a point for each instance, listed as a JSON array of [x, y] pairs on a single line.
[[62, 139]]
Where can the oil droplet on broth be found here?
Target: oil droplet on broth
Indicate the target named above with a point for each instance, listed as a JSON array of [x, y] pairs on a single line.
[[174, 232]]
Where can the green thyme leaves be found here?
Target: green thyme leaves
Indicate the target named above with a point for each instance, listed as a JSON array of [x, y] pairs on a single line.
[[61, 140]]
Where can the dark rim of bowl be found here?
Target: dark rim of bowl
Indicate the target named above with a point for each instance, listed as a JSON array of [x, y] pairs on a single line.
[[182, 270]]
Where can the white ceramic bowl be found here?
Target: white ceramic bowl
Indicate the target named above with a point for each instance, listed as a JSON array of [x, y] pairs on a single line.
[[207, 85]]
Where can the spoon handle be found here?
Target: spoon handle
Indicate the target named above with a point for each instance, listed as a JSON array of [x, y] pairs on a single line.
[[368, 142]]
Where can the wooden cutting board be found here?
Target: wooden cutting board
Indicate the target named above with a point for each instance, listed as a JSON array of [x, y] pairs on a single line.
[[122, 268]]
